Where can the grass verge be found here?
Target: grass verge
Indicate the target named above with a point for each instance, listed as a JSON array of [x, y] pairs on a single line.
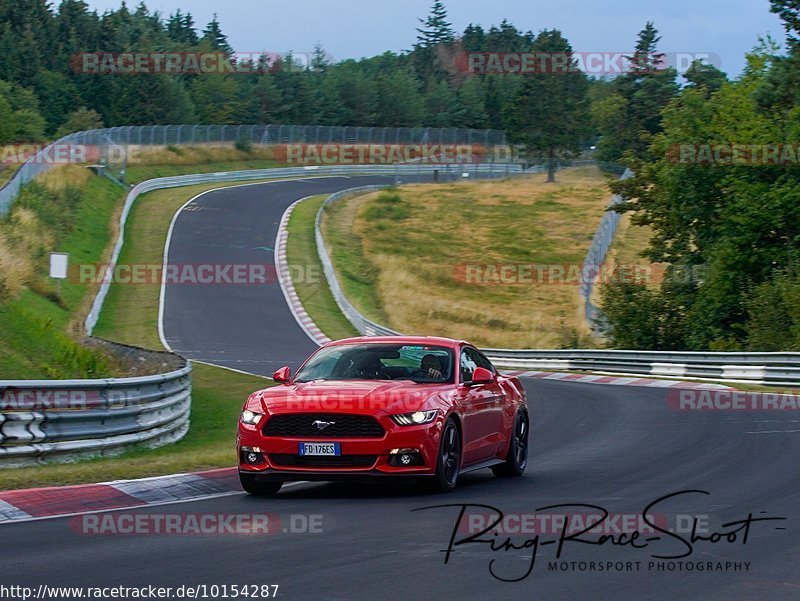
[[67, 210], [400, 271], [217, 396], [306, 269], [130, 317]]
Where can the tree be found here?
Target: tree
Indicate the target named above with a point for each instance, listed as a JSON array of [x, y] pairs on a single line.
[[440, 104], [20, 114], [549, 114], [59, 97], [628, 118], [214, 98], [471, 108], [436, 28], [180, 28], [319, 60], [213, 36], [399, 101], [473, 39], [735, 224], [436, 32], [703, 75], [789, 12], [80, 120]]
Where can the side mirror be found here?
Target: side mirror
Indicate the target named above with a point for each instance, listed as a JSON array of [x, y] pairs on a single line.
[[283, 375], [481, 375]]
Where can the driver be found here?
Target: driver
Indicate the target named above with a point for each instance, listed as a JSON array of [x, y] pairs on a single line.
[[431, 366]]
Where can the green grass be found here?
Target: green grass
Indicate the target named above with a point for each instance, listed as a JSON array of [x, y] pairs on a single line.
[[34, 323], [313, 290], [217, 397], [7, 172], [357, 275], [401, 257], [130, 317]]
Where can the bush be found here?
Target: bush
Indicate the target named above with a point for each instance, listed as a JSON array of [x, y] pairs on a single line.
[[773, 308], [389, 205], [244, 145]]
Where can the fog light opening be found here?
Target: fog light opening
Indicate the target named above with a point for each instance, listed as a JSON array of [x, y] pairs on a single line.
[[252, 455], [405, 457]]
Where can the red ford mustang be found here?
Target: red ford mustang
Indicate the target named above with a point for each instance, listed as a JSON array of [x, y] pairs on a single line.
[[428, 408]]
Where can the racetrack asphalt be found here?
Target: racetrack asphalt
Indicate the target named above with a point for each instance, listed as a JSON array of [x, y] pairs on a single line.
[[615, 447]]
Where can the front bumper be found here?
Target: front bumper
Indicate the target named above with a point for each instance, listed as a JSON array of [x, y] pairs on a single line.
[[365, 458]]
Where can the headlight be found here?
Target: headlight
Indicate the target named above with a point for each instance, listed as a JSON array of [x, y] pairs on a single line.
[[415, 419], [251, 418]]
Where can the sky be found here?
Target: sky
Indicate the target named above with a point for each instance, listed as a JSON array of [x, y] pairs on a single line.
[[724, 29]]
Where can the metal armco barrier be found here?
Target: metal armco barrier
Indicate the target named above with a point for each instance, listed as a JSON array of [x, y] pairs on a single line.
[[398, 171], [69, 419], [757, 368]]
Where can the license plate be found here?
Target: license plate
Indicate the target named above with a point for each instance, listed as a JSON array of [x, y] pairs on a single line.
[[320, 449]]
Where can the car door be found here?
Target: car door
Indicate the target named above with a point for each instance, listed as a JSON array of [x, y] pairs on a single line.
[[482, 406]]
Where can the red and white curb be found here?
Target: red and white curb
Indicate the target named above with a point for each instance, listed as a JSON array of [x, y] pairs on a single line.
[[287, 286], [614, 380], [42, 503]]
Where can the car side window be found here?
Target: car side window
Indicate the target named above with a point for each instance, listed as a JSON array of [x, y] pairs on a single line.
[[471, 359], [483, 361], [468, 365]]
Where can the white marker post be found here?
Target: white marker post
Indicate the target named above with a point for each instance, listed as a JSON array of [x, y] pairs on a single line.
[[58, 269]]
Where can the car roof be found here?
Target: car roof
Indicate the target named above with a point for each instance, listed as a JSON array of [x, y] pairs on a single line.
[[417, 340]]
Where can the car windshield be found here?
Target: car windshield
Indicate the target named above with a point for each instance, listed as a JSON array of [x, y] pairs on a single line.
[[372, 361]]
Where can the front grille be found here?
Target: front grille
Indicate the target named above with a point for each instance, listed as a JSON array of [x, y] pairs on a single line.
[[341, 426], [306, 461]]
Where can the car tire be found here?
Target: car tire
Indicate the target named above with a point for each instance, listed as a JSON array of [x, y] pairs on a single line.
[[517, 456], [448, 459], [261, 489]]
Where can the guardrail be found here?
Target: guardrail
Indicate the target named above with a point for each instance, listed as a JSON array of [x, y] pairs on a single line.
[[398, 171], [63, 420], [757, 368]]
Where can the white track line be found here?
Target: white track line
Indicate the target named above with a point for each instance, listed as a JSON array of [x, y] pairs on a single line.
[[162, 292]]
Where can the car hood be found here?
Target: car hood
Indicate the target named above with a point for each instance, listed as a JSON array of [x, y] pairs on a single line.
[[359, 396]]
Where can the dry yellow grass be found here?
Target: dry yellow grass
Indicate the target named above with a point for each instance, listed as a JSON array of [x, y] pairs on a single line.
[[60, 178], [400, 260], [195, 155], [23, 236]]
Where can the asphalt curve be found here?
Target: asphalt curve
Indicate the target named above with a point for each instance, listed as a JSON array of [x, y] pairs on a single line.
[[617, 447]]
